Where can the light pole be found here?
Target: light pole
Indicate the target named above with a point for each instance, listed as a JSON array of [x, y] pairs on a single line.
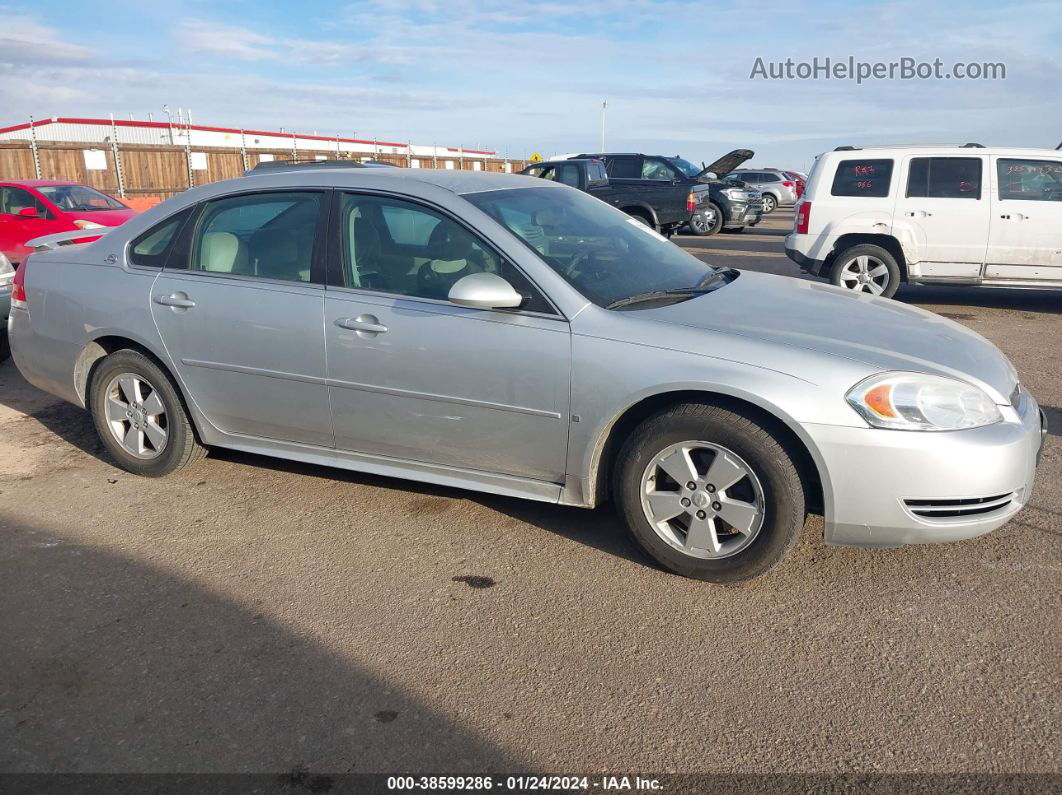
[[603, 106]]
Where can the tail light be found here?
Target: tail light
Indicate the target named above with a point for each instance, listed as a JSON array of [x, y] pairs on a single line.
[[802, 218], [787, 184], [18, 287], [691, 202]]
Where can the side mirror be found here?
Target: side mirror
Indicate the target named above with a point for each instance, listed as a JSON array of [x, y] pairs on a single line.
[[484, 291], [28, 212]]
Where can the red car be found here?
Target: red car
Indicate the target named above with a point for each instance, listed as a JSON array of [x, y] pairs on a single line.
[[30, 208]]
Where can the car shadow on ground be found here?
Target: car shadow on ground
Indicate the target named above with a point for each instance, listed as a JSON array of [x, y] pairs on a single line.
[[600, 528], [113, 665], [1008, 298]]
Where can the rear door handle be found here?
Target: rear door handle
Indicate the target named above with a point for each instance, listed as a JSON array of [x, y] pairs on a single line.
[[364, 323], [177, 299]]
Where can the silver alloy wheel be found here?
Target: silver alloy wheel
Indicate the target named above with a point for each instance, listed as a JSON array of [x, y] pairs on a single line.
[[768, 203], [865, 274], [702, 499], [704, 221], [136, 415]]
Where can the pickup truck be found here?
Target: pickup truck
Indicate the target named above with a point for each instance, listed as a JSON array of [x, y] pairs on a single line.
[[719, 205], [665, 205]]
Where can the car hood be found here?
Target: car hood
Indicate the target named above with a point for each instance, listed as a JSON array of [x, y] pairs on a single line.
[[727, 163], [101, 217], [879, 332]]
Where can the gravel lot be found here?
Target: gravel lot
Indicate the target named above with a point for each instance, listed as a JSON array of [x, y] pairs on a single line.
[[257, 615]]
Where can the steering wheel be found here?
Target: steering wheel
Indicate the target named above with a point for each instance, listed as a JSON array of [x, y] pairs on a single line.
[[575, 262]]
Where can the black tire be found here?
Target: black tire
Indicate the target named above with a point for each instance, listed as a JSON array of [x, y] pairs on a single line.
[[878, 253], [733, 230], [181, 447], [5, 346], [770, 204], [783, 496], [702, 229]]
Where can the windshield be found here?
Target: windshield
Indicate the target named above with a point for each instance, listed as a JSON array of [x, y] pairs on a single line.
[[604, 253], [80, 198], [685, 166]]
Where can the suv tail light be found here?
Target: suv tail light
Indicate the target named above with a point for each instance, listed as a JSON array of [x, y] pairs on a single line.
[[787, 184], [802, 218], [18, 287], [691, 202]]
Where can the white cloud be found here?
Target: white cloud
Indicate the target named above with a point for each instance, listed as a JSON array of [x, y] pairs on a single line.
[[26, 40]]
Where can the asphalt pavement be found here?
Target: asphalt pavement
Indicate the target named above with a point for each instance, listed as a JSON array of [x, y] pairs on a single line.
[[251, 614]]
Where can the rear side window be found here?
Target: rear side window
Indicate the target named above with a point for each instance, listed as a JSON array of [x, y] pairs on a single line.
[[1030, 180], [268, 235], [770, 178], [596, 171], [151, 248], [945, 178], [625, 168], [869, 178]]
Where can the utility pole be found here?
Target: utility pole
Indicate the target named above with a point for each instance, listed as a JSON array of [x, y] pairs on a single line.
[[603, 106]]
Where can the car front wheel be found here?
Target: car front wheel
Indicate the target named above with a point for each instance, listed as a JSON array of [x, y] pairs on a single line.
[[140, 417], [708, 221], [709, 493]]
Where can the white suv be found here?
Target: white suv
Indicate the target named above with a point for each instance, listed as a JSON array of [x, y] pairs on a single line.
[[872, 218]]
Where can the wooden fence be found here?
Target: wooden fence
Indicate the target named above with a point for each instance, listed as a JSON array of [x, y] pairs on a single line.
[[142, 171]]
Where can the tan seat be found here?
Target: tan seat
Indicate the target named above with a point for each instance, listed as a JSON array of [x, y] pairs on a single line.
[[222, 252]]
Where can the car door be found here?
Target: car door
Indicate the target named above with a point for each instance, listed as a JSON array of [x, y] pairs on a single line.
[[16, 229], [415, 377], [1025, 235], [943, 207], [668, 191], [239, 307]]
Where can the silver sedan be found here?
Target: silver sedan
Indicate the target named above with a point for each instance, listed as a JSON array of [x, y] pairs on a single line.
[[503, 334]]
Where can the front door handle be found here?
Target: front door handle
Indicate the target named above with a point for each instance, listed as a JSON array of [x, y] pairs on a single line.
[[367, 324], [177, 299]]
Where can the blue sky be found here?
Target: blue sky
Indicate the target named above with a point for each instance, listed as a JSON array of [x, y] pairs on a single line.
[[529, 76]]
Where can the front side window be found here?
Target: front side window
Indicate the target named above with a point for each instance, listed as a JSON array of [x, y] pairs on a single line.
[[14, 199], [1029, 180], [869, 178], [656, 170], [79, 198], [268, 235], [605, 254], [396, 246], [944, 178]]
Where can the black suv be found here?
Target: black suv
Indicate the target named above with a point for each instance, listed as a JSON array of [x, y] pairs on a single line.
[[719, 204]]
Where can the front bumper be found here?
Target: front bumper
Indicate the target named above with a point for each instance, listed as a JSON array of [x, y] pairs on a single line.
[[887, 488], [744, 213]]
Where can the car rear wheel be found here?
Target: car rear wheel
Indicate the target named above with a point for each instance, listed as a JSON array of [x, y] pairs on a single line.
[[139, 416], [707, 222], [769, 204], [866, 269], [709, 493]]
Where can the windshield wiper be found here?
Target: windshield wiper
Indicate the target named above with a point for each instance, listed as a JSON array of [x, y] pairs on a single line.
[[709, 283]]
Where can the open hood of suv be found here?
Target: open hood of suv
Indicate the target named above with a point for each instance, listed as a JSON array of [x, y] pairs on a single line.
[[728, 162]]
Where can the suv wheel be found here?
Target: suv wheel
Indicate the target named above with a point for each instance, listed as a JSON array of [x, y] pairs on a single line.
[[709, 493], [867, 269], [770, 204], [707, 222], [139, 416]]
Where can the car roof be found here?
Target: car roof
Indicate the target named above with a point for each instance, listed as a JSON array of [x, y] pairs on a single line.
[[459, 182], [38, 183], [969, 150]]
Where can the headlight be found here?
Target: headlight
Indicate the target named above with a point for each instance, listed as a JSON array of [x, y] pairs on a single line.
[[87, 225], [736, 193], [920, 402]]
